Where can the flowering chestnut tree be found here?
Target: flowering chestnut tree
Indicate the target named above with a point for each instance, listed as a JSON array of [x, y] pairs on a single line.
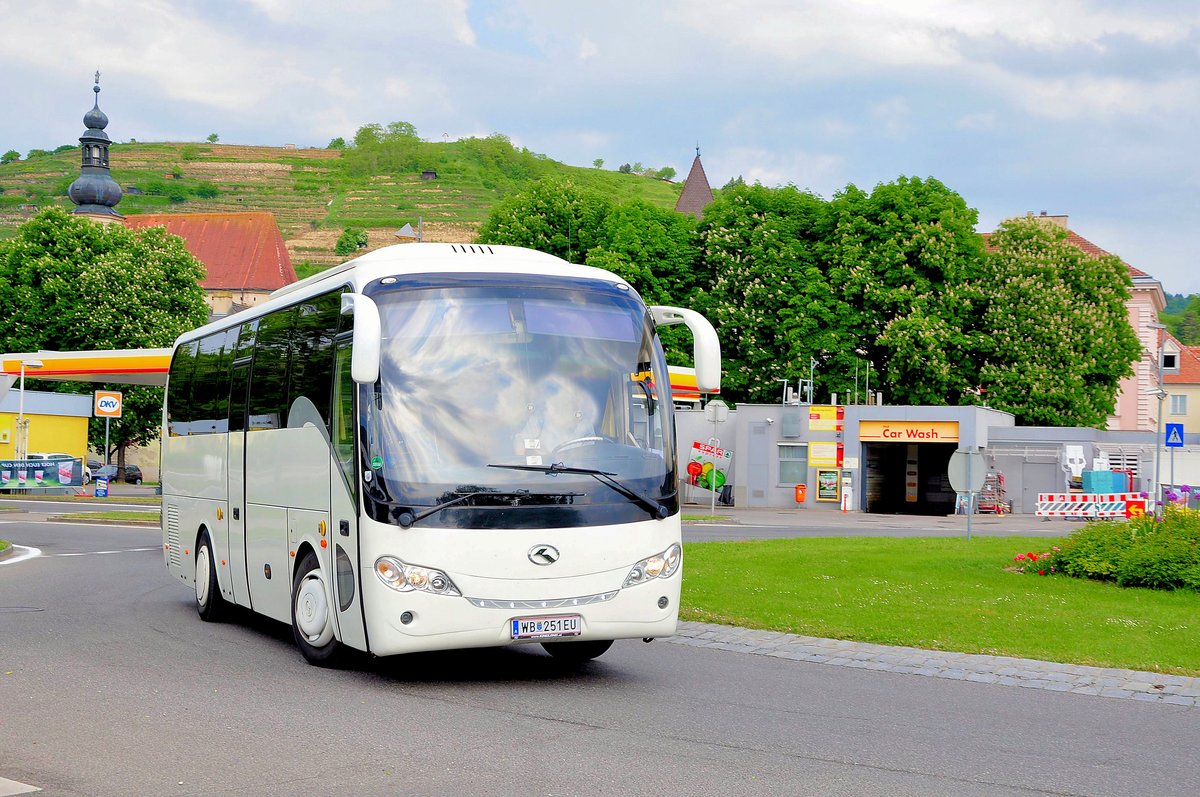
[[769, 296], [71, 284], [903, 259], [1058, 339]]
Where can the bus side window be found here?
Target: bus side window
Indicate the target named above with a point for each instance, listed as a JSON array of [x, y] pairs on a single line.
[[311, 373], [342, 433], [179, 388], [269, 390]]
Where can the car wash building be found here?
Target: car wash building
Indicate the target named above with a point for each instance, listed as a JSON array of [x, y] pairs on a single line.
[[894, 459]]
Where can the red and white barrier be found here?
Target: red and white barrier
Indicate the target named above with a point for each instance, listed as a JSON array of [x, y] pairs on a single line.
[[1090, 505]]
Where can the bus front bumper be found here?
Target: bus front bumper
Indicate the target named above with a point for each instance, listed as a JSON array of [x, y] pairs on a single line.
[[418, 621]]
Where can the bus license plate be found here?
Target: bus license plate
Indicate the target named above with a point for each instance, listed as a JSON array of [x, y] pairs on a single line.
[[543, 627]]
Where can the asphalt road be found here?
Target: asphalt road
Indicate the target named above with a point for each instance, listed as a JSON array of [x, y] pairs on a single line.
[[110, 685]]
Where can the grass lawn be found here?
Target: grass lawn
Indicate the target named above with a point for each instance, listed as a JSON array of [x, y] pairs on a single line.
[[147, 516], [941, 594], [90, 499]]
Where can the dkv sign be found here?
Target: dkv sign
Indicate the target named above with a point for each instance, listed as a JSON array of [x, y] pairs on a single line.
[[108, 404]]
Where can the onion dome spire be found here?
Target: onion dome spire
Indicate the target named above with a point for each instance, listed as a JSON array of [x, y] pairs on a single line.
[[94, 192]]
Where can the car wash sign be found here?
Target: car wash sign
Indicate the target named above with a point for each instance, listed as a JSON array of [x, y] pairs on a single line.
[[908, 431]]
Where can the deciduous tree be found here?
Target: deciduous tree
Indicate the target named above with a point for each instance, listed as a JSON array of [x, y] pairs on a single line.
[[903, 259], [551, 215], [1057, 339], [769, 296], [67, 283]]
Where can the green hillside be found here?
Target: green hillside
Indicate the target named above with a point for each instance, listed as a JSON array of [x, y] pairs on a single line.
[[316, 193]]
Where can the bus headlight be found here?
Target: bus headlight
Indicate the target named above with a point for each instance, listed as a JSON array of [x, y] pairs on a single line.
[[408, 578], [662, 565]]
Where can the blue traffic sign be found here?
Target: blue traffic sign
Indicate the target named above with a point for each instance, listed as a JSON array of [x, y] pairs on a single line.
[[1174, 435]]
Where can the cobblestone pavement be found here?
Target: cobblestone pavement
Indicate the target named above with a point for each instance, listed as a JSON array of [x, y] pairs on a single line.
[[1029, 673]]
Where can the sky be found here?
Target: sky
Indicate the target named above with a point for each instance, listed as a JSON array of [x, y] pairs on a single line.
[[1084, 108]]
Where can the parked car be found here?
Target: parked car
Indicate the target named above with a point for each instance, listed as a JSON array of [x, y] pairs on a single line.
[[133, 474], [87, 471]]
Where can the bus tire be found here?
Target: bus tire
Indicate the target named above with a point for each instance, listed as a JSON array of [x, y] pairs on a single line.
[[312, 618], [577, 652], [209, 603]]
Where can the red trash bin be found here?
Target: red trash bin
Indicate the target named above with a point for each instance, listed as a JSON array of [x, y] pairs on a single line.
[[801, 493]]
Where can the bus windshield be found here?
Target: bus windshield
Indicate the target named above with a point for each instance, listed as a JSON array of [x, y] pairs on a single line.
[[527, 402]]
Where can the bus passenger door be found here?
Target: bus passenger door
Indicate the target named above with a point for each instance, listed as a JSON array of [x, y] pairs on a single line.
[[343, 504], [236, 553]]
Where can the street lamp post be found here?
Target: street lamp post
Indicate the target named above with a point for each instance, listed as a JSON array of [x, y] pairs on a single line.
[[22, 447], [1161, 395]]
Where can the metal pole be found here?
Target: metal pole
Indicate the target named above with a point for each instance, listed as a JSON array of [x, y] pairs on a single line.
[[106, 420], [970, 496], [1172, 467], [712, 504], [1158, 445], [811, 363], [20, 442]]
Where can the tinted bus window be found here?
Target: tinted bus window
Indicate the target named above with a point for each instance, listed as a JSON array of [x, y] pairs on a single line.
[[312, 352], [179, 388], [210, 392], [269, 385]]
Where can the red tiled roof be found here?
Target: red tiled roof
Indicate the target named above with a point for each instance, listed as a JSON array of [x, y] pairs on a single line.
[[242, 251], [1189, 367], [697, 194]]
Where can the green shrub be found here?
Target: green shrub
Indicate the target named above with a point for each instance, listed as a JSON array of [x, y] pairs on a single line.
[[1162, 554], [207, 190], [351, 241]]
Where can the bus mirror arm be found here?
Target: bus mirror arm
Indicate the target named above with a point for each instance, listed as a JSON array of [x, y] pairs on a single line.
[[706, 345], [368, 337]]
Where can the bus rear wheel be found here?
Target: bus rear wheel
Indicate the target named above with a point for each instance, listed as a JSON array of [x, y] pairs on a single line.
[[577, 652], [312, 620], [209, 603]]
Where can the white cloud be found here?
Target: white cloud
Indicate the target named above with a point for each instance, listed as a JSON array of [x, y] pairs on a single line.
[[819, 172], [1090, 96], [587, 49]]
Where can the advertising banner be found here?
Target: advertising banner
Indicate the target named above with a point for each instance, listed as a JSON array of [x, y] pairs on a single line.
[[709, 466], [825, 455], [826, 418], [32, 474], [829, 485]]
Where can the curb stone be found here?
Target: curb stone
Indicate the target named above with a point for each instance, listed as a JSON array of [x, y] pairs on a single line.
[[1173, 690]]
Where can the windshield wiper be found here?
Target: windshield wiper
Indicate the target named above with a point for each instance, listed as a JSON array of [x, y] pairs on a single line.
[[515, 497], [657, 510]]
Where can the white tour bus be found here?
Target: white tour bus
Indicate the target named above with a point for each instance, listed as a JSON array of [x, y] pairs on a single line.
[[433, 446]]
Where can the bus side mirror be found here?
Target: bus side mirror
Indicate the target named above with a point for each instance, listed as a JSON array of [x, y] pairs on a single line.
[[368, 337], [706, 346]]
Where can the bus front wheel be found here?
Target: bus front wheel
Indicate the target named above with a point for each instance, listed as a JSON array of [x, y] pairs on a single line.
[[577, 652], [312, 620], [209, 603]]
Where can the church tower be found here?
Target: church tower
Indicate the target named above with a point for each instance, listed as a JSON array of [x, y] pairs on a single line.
[[697, 195], [94, 192]]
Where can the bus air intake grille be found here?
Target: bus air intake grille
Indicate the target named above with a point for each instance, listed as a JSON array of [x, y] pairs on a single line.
[[473, 249], [550, 603], [172, 524]]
